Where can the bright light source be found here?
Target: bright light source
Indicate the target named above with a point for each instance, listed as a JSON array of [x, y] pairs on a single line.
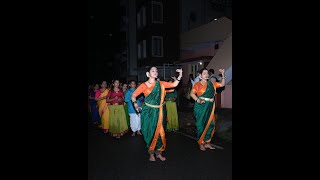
[[215, 19], [200, 63]]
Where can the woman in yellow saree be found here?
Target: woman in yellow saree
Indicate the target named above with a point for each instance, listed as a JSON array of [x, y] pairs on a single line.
[[153, 112], [101, 96], [203, 93]]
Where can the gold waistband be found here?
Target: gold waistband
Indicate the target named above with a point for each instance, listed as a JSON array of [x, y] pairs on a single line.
[[207, 99], [154, 106]]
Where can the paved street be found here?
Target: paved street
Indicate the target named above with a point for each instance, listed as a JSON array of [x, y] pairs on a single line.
[[127, 158]]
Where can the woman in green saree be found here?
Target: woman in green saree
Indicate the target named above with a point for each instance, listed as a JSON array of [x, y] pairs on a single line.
[[125, 105], [153, 112], [203, 93], [172, 113]]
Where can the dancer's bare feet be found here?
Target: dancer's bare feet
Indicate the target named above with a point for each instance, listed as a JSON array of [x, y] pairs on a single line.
[[209, 146], [139, 133], [161, 157], [133, 134], [151, 158], [202, 148]]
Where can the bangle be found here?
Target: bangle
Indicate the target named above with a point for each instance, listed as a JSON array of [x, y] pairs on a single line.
[[134, 102], [223, 77], [196, 100]]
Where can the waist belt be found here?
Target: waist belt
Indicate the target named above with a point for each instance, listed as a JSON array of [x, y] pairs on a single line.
[[154, 106], [207, 99]]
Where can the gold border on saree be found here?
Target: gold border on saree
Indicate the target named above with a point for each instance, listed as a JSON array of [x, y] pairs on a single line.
[[154, 106]]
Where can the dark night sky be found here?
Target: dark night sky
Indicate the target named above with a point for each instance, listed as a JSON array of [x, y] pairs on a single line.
[[103, 35]]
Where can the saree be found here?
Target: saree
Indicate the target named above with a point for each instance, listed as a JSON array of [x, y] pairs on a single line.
[[94, 110], [127, 113], [104, 111], [172, 113], [204, 115], [117, 116], [118, 122], [153, 118]]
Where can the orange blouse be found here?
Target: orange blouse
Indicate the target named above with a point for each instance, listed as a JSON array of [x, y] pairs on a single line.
[[143, 88], [199, 89]]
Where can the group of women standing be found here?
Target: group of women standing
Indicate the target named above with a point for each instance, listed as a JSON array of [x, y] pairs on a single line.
[[152, 112]]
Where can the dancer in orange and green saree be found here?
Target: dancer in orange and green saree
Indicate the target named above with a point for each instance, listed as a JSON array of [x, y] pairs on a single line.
[[203, 93], [101, 96], [153, 112]]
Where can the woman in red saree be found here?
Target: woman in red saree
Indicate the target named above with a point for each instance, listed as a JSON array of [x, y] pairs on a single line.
[[117, 115]]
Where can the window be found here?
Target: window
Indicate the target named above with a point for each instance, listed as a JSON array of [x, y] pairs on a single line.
[[157, 12], [142, 49], [194, 70], [141, 17], [157, 46]]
